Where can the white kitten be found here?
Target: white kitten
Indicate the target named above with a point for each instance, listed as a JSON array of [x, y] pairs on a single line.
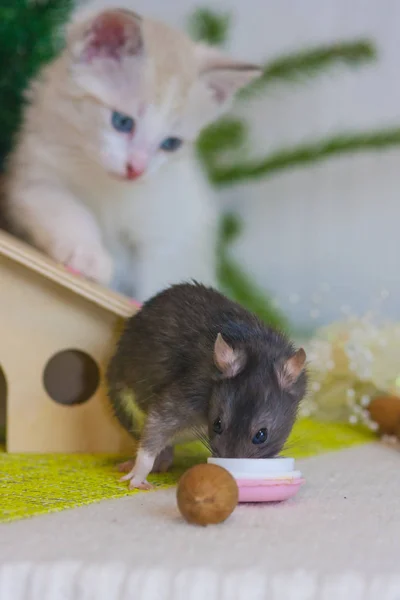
[[103, 177]]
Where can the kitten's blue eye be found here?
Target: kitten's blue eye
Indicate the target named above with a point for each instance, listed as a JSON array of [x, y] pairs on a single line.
[[171, 144], [260, 437], [122, 122]]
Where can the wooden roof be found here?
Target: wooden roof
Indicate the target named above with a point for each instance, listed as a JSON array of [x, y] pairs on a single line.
[[34, 260]]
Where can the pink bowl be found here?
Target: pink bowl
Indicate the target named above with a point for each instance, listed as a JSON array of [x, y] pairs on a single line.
[[272, 490]]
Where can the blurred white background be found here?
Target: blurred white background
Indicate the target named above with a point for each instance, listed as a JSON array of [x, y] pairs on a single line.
[[336, 223]]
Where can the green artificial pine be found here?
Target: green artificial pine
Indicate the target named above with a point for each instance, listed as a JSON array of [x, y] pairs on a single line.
[[29, 37]]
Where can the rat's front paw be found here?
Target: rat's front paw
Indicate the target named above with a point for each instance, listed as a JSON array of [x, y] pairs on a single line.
[[143, 485], [135, 483]]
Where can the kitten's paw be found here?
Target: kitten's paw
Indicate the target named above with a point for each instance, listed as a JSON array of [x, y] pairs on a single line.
[[89, 260], [95, 264]]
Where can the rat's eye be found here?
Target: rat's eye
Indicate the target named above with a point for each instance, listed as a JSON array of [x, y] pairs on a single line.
[[260, 437], [122, 122], [217, 426], [171, 144]]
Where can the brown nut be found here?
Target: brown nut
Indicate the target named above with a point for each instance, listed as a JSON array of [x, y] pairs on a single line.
[[207, 495], [385, 412]]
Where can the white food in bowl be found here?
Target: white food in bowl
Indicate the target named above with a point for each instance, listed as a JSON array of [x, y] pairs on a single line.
[[257, 468]]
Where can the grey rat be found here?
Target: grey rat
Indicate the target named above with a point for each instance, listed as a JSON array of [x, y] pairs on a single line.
[[193, 360]]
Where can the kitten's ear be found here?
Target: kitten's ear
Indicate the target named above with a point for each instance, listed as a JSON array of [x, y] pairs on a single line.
[[228, 360], [111, 34], [291, 370], [223, 75]]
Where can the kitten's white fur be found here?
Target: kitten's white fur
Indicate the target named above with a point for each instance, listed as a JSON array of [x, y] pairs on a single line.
[[66, 189]]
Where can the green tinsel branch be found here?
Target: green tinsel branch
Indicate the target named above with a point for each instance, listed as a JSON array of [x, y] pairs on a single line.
[[209, 26], [236, 284], [226, 134], [232, 279], [312, 62], [302, 155]]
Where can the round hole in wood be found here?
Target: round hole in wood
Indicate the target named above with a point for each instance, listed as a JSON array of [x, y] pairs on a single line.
[[71, 377], [3, 406]]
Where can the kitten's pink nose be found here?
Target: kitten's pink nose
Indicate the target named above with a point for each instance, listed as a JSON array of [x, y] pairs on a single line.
[[133, 173], [137, 164]]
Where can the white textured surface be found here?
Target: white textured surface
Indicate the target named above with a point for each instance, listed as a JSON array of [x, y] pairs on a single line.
[[342, 529], [114, 581]]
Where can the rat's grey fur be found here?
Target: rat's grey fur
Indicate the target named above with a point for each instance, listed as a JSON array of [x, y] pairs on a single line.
[[166, 358]]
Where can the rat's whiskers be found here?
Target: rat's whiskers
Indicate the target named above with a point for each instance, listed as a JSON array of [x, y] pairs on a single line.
[[202, 437]]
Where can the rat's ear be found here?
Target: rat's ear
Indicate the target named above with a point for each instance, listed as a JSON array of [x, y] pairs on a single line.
[[291, 370], [228, 360], [111, 34], [223, 76]]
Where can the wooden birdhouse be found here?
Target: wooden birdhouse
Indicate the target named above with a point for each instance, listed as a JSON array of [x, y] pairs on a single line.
[[57, 332]]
